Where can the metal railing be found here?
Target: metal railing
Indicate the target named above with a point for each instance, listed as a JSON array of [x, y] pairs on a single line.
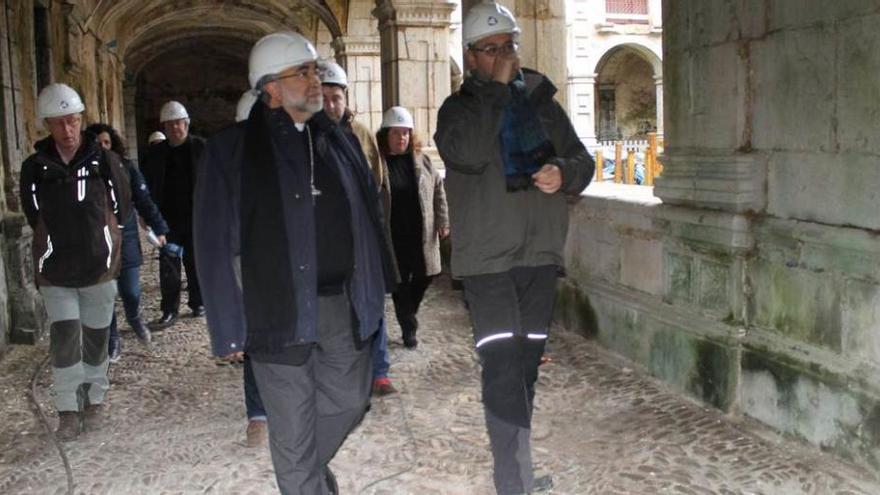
[[640, 165]]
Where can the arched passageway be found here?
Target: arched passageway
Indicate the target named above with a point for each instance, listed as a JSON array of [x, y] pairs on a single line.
[[626, 94], [206, 74]]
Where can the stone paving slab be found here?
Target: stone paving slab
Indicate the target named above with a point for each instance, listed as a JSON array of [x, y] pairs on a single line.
[[177, 421]]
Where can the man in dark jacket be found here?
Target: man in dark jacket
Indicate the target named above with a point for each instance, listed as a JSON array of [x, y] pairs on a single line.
[[75, 196], [511, 155], [288, 219], [169, 169]]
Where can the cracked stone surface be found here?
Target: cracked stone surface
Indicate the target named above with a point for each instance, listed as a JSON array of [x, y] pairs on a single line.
[[176, 425]]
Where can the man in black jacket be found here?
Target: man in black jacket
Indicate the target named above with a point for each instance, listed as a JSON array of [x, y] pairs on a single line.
[[75, 196], [288, 218], [169, 169]]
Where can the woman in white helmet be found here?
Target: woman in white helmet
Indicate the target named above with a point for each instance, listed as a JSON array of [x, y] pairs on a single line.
[[75, 196], [418, 216]]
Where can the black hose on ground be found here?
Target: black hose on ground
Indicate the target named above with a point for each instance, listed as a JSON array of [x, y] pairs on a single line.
[[45, 421]]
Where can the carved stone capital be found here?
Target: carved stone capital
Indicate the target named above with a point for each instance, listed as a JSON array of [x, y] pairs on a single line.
[[357, 46], [414, 13]]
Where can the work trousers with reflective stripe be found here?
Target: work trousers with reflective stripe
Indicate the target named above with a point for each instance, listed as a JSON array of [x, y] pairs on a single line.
[[511, 313], [79, 321]]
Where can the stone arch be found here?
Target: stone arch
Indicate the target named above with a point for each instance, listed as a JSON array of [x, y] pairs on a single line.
[[627, 81], [196, 52]]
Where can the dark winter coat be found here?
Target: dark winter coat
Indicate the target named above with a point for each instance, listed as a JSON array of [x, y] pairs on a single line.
[[494, 230], [217, 236], [154, 168], [76, 212], [146, 208]]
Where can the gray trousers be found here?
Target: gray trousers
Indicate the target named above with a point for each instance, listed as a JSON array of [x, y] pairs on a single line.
[[79, 328], [312, 407], [511, 313]]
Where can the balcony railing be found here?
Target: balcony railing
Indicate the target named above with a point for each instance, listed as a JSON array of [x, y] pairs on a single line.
[[641, 165], [627, 12]]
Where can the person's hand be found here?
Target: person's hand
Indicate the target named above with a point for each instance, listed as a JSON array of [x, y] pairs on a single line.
[[548, 179], [505, 68], [235, 357], [443, 232], [162, 240]]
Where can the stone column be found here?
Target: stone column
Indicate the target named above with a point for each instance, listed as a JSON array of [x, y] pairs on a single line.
[[544, 40], [129, 96], [415, 58], [360, 55], [658, 84], [582, 107]]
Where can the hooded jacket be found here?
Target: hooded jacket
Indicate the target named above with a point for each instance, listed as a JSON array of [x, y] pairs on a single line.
[[76, 211], [494, 230]]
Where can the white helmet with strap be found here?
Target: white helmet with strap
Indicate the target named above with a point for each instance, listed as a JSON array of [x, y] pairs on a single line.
[[275, 52], [245, 103], [156, 137], [397, 117], [486, 19], [58, 100], [333, 73], [173, 110]]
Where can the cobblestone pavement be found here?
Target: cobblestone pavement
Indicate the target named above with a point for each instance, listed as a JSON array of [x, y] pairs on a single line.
[[177, 423]]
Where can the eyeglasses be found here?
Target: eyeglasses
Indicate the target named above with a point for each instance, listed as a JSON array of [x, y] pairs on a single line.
[[304, 73], [494, 50]]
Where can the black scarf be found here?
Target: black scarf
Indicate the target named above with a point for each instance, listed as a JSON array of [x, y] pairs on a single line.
[[266, 272]]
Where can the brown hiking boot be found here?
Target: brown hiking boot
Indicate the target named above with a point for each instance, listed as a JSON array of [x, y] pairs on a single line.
[[68, 426], [257, 433], [93, 417]]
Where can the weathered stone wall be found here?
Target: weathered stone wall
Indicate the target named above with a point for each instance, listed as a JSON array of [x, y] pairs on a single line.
[[766, 238]]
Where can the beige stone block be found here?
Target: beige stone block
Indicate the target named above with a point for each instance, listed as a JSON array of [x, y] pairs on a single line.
[[838, 189], [861, 321], [641, 265], [793, 104]]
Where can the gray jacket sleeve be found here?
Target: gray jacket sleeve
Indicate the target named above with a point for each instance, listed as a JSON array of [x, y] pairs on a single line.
[[215, 227], [468, 127]]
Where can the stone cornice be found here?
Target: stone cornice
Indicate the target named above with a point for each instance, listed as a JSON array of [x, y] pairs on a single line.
[[357, 45], [729, 182], [427, 14]]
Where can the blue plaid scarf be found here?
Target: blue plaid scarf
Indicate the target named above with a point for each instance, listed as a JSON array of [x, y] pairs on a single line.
[[525, 147]]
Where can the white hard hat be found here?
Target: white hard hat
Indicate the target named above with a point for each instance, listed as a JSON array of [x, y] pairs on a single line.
[[485, 19], [156, 136], [333, 73], [173, 110], [57, 100], [245, 103], [397, 117], [278, 51]]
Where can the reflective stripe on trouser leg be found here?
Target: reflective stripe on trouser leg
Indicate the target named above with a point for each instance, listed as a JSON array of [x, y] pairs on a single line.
[[67, 371]]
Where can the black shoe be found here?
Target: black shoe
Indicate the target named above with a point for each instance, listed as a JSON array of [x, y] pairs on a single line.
[[198, 311], [115, 351], [167, 320], [330, 479], [142, 332], [409, 339], [543, 484]]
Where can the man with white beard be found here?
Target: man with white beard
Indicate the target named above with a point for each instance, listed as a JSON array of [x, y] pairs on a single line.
[[288, 220]]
